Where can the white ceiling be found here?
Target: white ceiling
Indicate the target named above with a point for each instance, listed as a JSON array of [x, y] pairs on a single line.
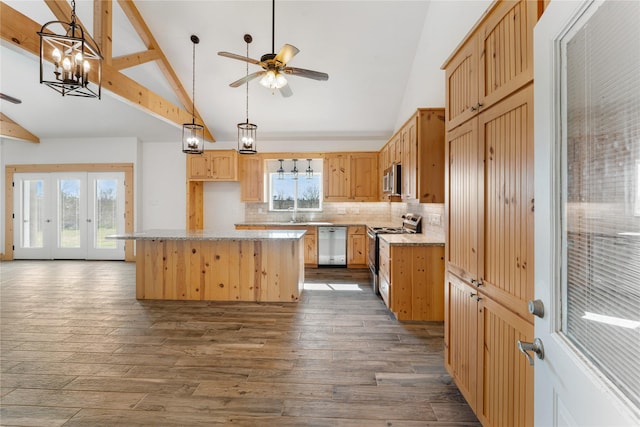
[[372, 51]]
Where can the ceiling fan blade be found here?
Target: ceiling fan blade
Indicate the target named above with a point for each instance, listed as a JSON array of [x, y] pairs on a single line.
[[310, 74], [286, 91], [246, 79], [239, 57], [286, 53], [10, 98]]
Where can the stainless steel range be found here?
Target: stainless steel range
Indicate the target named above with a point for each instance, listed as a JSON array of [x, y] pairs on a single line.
[[411, 224]]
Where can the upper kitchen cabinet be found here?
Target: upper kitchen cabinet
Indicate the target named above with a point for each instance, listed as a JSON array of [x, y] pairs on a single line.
[[251, 178], [213, 165], [493, 61], [350, 177], [422, 140]]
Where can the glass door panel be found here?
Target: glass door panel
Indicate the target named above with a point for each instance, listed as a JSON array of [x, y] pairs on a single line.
[[32, 219], [71, 215], [106, 215]]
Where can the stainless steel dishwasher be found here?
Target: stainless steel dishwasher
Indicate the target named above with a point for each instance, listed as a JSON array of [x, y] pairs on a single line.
[[332, 246]]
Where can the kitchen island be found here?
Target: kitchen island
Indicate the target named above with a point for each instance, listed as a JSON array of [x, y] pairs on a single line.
[[237, 265]]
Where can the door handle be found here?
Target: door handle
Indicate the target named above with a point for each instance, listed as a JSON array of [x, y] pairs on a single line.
[[88, 219], [536, 307], [535, 346]]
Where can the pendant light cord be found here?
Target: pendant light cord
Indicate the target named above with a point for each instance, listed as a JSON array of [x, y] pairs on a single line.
[[193, 82], [247, 84]]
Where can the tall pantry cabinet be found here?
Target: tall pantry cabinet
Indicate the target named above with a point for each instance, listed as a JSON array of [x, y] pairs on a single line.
[[489, 208]]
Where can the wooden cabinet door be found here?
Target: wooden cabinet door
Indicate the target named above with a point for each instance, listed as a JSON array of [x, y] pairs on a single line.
[[461, 85], [505, 46], [251, 178], [356, 247], [336, 177], [464, 196], [409, 159], [431, 155], [223, 165], [197, 166], [505, 264], [311, 248], [461, 336], [505, 397], [364, 177]]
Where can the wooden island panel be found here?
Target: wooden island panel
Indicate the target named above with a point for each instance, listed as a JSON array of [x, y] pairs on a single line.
[[220, 270]]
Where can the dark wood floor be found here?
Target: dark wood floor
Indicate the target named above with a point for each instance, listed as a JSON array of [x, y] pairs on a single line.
[[78, 349]]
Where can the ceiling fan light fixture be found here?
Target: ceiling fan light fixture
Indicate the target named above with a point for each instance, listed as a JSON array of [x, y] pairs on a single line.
[[193, 133], [72, 54]]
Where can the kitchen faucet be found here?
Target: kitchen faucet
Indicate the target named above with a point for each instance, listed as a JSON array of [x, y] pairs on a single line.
[[293, 213]]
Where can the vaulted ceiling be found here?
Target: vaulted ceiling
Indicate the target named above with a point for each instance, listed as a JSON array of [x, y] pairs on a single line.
[[373, 51]]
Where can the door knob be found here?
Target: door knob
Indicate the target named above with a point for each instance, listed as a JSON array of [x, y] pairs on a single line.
[[535, 346], [536, 307]]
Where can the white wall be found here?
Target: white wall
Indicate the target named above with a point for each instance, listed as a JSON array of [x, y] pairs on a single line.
[[426, 85], [162, 178], [222, 205]]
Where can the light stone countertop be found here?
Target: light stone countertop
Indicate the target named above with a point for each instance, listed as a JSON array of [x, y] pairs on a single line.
[[320, 223], [422, 239], [211, 235]]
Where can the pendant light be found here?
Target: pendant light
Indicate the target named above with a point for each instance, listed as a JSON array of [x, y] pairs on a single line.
[[74, 55], [280, 170], [294, 171], [193, 133], [309, 171], [247, 143]]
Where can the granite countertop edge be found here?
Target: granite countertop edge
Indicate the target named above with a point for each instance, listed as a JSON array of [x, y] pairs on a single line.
[[211, 235], [423, 239]]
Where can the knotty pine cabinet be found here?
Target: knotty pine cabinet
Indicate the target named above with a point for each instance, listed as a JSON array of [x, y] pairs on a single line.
[[213, 165], [357, 246], [310, 239], [350, 177], [493, 61], [410, 280], [489, 212], [419, 147], [251, 178], [492, 375]]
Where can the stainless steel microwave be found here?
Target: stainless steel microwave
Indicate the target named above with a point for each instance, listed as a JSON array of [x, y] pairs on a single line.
[[392, 179]]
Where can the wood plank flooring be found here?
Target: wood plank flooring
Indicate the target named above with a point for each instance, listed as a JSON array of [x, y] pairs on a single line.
[[77, 349]]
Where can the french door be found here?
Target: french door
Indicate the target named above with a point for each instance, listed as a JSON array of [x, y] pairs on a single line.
[[66, 215]]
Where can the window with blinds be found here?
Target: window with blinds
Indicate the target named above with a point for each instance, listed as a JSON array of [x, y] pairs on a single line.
[[601, 193]]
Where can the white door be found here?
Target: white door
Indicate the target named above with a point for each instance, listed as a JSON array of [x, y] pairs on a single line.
[[67, 215], [105, 206], [587, 226], [69, 190], [33, 219]]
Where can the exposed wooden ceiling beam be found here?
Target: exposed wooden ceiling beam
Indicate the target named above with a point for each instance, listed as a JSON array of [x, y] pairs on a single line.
[[21, 31], [138, 23], [103, 27], [12, 130], [133, 59]]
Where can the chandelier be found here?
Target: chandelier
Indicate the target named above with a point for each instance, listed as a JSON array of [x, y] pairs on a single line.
[[193, 133], [247, 143], [74, 55]]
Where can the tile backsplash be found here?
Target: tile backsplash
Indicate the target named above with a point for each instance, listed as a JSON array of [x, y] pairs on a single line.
[[367, 213]]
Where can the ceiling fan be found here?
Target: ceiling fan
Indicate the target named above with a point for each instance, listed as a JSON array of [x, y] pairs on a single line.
[[275, 65]]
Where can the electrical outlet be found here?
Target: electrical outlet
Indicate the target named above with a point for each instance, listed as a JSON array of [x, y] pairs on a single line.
[[436, 219], [342, 211]]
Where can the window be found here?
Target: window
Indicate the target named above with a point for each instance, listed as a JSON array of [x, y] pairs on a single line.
[[601, 313], [301, 193]]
